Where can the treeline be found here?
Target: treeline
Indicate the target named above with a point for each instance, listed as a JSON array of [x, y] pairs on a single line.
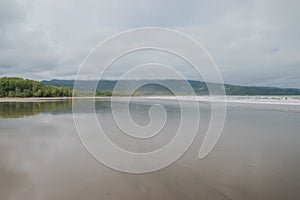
[[253, 90], [19, 87]]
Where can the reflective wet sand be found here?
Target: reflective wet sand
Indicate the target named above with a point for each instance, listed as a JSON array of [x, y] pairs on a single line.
[[257, 157]]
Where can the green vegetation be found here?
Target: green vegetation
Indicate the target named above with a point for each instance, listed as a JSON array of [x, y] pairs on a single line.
[[106, 93], [19, 87], [253, 90], [105, 87]]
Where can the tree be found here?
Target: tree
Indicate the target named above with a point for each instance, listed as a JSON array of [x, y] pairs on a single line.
[[19, 87]]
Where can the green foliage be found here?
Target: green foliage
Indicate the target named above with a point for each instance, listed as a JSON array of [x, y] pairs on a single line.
[[19, 87], [104, 93], [199, 87]]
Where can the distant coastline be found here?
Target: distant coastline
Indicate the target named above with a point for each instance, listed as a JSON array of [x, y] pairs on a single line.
[[12, 88], [264, 100], [156, 87]]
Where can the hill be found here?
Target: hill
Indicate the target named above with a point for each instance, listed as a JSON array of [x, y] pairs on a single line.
[[200, 88]]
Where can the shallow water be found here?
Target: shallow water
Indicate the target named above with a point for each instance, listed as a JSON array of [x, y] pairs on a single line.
[[41, 156]]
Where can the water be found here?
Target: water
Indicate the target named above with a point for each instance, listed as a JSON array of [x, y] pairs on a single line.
[[41, 156]]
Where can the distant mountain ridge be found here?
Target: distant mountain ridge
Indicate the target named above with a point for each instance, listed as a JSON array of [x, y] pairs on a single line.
[[199, 87]]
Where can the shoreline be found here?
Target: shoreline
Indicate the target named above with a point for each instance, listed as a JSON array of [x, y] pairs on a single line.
[[267, 100]]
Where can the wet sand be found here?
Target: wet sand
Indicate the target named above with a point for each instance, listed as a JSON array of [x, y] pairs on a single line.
[[257, 157]]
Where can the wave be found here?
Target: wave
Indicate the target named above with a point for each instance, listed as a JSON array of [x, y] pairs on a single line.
[[281, 100]]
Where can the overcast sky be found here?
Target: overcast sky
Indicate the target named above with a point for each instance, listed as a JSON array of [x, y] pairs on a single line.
[[253, 42]]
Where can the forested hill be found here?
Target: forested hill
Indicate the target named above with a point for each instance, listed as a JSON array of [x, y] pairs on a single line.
[[19, 87], [199, 87]]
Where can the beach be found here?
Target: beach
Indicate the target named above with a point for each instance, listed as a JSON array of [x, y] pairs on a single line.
[[256, 157]]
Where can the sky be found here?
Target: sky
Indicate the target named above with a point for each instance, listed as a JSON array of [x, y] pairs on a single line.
[[253, 42]]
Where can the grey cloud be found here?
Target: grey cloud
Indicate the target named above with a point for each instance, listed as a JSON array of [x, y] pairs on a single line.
[[253, 42], [11, 12]]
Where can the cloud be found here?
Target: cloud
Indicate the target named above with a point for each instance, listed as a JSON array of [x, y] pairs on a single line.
[[253, 42]]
